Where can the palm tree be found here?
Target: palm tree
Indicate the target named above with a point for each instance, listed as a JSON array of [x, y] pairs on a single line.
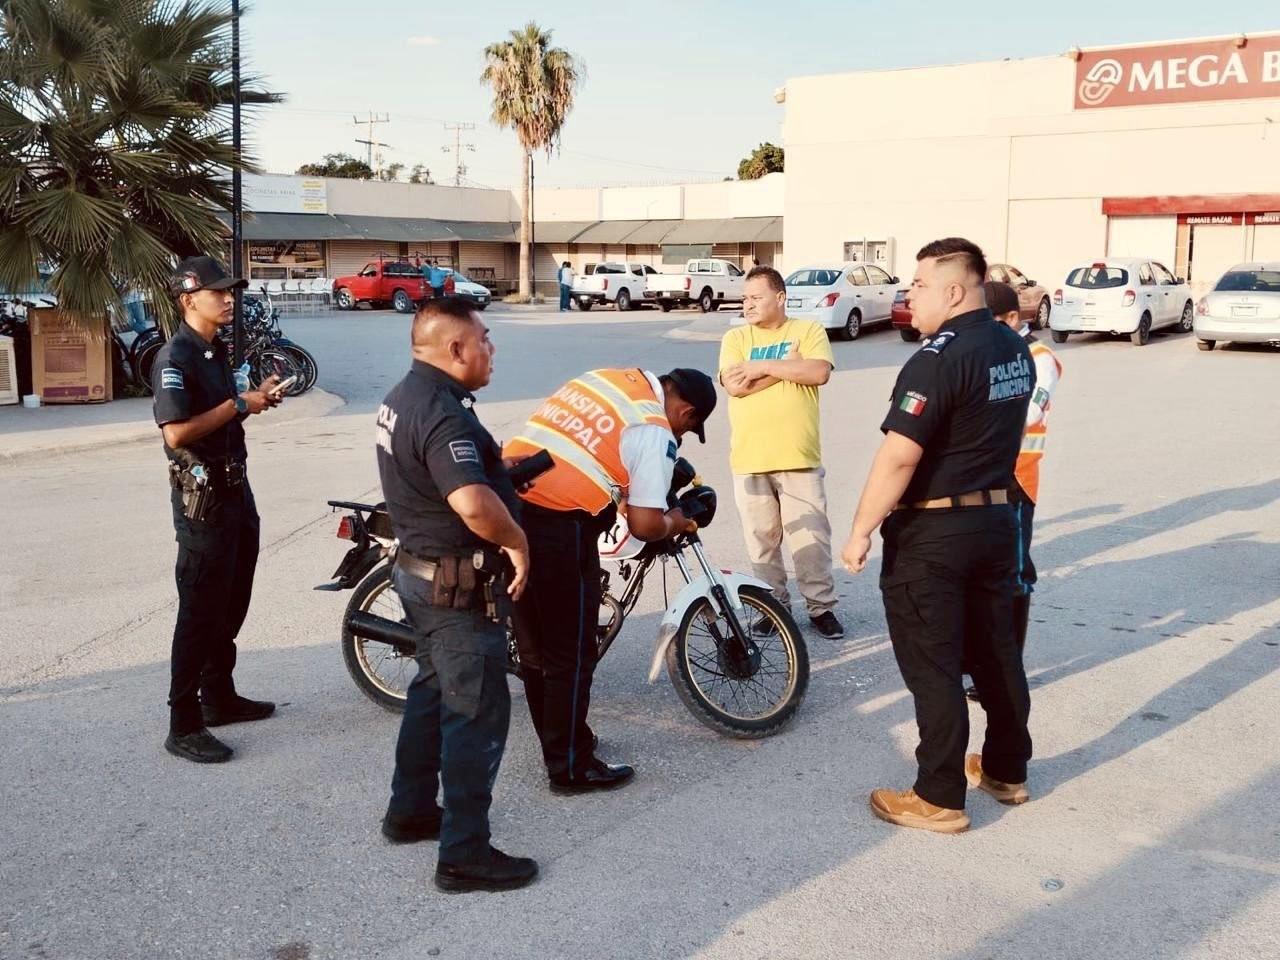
[[115, 145], [533, 88]]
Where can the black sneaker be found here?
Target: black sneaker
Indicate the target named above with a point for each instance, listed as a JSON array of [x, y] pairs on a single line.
[[496, 872], [236, 710], [410, 828], [199, 747], [827, 625], [598, 776], [764, 627]]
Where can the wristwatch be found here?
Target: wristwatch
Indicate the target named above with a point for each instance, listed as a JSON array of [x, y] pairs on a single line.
[[241, 405]]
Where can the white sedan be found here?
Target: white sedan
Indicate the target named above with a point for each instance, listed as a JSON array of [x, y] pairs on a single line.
[[1121, 296], [1243, 306], [844, 299]]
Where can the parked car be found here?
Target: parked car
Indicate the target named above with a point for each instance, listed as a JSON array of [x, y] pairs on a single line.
[[381, 282], [468, 289], [1121, 296], [622, 284], [706, 282], [1244, 306], [1033, 299], [844, 299]]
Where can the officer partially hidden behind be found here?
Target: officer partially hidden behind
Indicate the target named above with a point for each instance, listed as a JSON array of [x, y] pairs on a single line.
[[941, 478], [453, 510], [612, 435], [199, 409]]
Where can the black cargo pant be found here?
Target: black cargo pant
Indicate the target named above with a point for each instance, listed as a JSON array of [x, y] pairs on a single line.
[[557, 620], [455, 721], [216, 562], [948, 584]]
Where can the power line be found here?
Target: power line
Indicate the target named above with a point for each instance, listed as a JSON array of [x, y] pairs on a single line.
[[459, 168], [371, 142]]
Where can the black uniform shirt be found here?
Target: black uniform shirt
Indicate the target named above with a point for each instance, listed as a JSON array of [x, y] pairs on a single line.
[[190, 377], [430, 443], [963, 397]]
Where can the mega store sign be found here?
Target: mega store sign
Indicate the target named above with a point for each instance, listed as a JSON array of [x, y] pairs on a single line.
[[1179, 73]]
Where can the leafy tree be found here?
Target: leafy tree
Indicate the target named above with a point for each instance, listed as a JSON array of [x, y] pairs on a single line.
[[420, 174], [533, 86], [115, 144], [390, 172], [764, 159], [341, 165]]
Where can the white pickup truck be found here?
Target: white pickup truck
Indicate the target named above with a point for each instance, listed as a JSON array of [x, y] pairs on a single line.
[[708, 283], [622, 284]]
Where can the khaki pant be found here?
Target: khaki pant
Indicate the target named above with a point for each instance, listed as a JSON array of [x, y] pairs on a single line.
[[790, 503]]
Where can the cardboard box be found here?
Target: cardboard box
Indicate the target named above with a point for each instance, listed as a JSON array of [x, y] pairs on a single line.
[[69, 364]]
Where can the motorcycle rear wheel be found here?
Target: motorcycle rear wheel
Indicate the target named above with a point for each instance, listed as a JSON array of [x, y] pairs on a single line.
[[748, 707], [380, 671]]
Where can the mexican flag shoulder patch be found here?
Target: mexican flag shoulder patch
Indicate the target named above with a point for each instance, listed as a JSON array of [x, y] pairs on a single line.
[[913, 403]]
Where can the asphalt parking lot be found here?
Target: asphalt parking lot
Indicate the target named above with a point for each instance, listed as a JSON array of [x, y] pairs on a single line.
[[1153, 657]]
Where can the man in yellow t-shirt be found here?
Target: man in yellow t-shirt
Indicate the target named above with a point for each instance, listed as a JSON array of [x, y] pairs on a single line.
[[772, 368]]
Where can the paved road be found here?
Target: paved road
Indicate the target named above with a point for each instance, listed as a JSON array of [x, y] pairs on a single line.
[[1154, 658]]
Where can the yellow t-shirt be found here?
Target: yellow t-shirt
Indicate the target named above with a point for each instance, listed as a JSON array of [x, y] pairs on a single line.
[[777, 428]]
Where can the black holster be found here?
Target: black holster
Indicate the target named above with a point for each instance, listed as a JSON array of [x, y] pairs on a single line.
[[199, 495]]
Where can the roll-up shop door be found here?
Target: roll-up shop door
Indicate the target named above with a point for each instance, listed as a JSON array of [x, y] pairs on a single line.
[[1266, 243], [348, 256], [483, 261], [1214, 249]]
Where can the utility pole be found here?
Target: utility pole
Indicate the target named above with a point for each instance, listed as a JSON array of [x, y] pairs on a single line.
[[237, 197], [370, 143], [459, 168]]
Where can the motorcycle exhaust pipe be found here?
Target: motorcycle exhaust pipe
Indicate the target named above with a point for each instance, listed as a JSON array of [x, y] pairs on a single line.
[[369, 626]]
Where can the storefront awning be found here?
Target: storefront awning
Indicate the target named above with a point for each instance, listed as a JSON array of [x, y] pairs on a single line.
[[494, 232], [610, 231], [398, 229], [293, 226], [730, 230], [653, 232], [556, 231]]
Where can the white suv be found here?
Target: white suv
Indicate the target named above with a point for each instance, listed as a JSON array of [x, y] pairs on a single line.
[[1121, 296]]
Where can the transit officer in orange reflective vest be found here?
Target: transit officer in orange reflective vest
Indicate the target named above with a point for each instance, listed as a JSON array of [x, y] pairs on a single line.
[[613, 435], [1025, 491]]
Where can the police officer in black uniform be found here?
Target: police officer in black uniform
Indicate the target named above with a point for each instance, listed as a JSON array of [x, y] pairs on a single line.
[[199, 411], [941, 478], [454, 511]]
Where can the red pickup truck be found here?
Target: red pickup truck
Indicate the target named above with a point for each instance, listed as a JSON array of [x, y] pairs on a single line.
[[397, 282]]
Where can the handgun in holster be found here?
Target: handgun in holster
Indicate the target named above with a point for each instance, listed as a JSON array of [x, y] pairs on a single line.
[[198, 495]]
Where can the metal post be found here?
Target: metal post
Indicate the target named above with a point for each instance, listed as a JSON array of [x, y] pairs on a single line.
[[533, 244], [237, 200]]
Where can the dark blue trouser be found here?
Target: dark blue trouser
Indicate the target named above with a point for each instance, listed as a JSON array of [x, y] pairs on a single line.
[[564, 296], [455, 721], [216, 562]]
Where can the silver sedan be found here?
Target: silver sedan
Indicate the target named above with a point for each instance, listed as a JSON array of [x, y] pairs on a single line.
[[1244, 306]]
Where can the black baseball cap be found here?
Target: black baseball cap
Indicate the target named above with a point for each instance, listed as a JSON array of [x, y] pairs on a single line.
[[201, 273], [698, 389], [1001, 298]]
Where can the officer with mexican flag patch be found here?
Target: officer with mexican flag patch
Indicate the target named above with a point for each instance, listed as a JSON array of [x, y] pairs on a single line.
[[939, 485]]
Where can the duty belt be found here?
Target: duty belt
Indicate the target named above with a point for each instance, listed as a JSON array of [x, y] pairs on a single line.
[[416, 566], [978, 498]]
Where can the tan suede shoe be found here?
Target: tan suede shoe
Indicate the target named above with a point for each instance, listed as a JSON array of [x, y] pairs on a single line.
[[906, 809], [1007, 793]]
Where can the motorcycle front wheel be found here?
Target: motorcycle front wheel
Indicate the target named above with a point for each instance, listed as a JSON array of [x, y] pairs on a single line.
[[745, 698], [380, 671]]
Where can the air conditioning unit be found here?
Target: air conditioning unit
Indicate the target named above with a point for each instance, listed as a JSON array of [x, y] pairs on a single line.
[[8, 371]]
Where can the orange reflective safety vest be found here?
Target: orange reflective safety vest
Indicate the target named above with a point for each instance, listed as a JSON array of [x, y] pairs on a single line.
[[581, 426], [1048, 370]]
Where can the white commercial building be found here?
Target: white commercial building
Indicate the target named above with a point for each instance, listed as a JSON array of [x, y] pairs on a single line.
[[1169, 151]]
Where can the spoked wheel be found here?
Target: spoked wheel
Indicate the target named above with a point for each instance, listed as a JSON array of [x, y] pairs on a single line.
[[380, 671], [748, 697], [273, 362], [308, 369]]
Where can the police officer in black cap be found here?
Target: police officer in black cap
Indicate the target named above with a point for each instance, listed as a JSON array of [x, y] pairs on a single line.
[[199, 409], [462, 557], [940, 485]]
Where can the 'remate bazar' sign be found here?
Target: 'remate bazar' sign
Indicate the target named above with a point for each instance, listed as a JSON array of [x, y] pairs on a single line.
[[1179, 73]]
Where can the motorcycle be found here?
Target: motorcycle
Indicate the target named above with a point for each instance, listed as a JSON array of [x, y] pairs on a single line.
[[734, 654]]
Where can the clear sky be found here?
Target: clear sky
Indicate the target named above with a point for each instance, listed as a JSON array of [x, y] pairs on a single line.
[[704, 71]]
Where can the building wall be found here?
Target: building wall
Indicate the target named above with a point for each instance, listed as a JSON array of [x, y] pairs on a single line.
[[996, 152], [372, 198]]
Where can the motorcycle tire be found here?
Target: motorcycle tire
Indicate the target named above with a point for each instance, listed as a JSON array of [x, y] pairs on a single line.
[[307, 365], [144, 358], [696, 685], [364, 657]]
